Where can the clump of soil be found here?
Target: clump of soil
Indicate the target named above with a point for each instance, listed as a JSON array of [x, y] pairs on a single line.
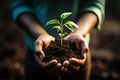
[[61, 53]]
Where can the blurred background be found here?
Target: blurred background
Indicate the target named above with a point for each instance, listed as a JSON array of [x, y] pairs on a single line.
[[105, 45]]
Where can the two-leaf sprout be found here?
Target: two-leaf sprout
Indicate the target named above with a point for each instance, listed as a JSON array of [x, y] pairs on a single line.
[[61, 24]]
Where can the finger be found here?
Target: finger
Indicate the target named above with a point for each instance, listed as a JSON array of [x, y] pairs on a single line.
[[65, 70], [84, 53], [40, 63], [77, 62], [65, 38], [45, 65], [50, 64], [66, 63], [39, 54], [56, 69], [84, 56], [38, 48], [73, 68], [47, 41], [84, 47]]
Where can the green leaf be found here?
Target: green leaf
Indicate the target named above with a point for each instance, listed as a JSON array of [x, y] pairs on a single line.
[[65, 15], [65, 33], [57, 27], [62, 34], [70, 25], [53, 21]]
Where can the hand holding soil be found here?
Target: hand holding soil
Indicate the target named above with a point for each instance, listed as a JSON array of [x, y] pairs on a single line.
[[61, 57], [66, 59], [77, 42], [71, 57], [42, 42]]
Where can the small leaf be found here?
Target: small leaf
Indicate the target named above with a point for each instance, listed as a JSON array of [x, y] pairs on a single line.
[[60, 35], [65, 15], [57, 27], [65, 33], [53, 21], [70, 25]]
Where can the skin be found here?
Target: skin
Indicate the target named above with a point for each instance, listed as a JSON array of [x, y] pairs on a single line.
[[86, 22]]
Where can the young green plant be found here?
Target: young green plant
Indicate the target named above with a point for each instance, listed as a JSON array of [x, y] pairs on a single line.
[[61, 24]]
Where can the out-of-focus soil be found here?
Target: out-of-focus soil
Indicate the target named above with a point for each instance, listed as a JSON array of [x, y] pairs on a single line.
[[12, 51], [105, 50]]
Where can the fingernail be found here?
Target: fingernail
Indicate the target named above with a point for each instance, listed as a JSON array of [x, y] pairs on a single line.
[[66, 63]]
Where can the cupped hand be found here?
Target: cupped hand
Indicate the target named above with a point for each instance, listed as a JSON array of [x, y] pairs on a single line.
[[74, 64], [43, 41]]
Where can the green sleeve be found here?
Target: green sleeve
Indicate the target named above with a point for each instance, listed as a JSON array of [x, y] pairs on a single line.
[[20, 6], [95, 6]]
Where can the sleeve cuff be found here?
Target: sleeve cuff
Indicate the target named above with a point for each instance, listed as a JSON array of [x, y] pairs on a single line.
[[19, 11], [98, 13]]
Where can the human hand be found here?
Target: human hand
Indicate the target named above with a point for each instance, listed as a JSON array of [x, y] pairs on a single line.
[[74, 64], [43, 41]]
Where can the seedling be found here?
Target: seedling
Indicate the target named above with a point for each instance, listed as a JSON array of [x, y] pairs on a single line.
[[61, 24]]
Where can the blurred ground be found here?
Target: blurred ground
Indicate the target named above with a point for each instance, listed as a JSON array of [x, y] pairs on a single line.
[[105, 51], [104, 45]]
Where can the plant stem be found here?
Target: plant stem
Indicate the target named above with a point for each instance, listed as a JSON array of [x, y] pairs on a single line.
[[61, 31], [61, 41]]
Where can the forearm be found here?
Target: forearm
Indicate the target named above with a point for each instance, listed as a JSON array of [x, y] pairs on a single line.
[[29, 24], [86, 22]]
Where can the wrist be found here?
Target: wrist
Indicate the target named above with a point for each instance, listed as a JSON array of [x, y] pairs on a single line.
[[37, 34], [38, 30]]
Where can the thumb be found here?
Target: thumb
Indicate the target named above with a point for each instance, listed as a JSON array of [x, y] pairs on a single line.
[[85, 49], [84, 53], [38, 48]]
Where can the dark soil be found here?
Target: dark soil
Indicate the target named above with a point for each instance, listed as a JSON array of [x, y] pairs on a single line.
[[61, 53]]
